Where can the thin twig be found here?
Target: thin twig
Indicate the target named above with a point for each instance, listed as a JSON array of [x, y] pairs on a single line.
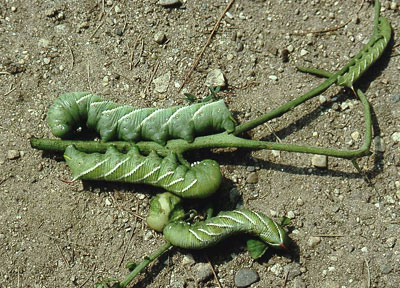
[[126, 249], [332, 28], [126, 210], [5, 73], [62, 255], [87, 279], [140, 53], [133, 52], [368, 274], [88, 77], [10, 90], [213, 270], [72, 55], [151, 77], [196, 62], [329, 235], [97, 28], [285, 279]]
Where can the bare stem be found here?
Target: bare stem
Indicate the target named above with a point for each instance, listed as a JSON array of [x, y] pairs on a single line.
[[146, 261]]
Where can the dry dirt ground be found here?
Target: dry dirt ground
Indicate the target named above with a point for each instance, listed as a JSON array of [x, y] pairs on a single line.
[[345, 230]]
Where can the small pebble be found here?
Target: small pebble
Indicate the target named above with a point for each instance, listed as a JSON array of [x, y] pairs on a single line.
[[215, 78], [355, 135], [169, 3], [303, 52], [13, 154], [273, 77], [161, 83], [322, 99], [299, 283], [108, 202], [393, 6], [245, 277], [117, 9], [396, 136], [313, 241], [319, 161], [148, 236], [46, 60], [276, 269], [300, 202], [386, 268], [239, 47], [252, 178], [160, 37], [188, 260], [391, 241], [379, 144], [364, 249], [290, 215], [290, 48], [202, 272]]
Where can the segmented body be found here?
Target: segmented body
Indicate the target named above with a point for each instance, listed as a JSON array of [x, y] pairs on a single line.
[[198, 181], [213, 230], [122, 122], [368, 55]]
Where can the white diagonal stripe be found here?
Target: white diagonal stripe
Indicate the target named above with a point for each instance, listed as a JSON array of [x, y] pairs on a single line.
[[245, 216], [196, 236], [189, 186], [133, 170], [230, 218], [209, 233], [83, 98], [116, 167], [91, 169], [150, 173]]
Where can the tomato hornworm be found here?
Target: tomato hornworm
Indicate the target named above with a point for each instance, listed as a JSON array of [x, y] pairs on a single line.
[[123, 122], [200, 180], [370, 53], [213, 230]]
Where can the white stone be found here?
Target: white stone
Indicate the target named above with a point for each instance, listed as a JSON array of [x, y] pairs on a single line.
[[161, 83]]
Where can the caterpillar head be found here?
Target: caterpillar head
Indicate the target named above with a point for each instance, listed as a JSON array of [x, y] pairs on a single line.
[[275, 236]]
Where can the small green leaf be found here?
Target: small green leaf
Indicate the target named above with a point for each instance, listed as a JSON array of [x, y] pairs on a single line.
[[131, 265], [285, 221], [256, 248], [190, 97]]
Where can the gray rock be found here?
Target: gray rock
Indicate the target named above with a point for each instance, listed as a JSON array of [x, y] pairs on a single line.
[[395, 98], [239, 47], [13, 154], [313, 241], [160, 37], [188, 260], [379, 144], [202, 272], [245, 277], [161, 83], [386, 268], [299, 283], [396, 136], [252, 178], [169, 3], [215, 78], [319, 161]]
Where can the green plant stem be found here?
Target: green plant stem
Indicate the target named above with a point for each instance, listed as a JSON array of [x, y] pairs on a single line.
[[143, 264]]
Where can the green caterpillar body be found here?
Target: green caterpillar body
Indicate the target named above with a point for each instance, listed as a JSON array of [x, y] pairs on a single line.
[[122, 122], [213, 230], [198, 181], [371, 52]]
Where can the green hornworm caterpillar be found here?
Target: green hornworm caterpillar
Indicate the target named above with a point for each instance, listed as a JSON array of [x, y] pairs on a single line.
[[368, 55], [211, 231], [122, 122], [198, 181]]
